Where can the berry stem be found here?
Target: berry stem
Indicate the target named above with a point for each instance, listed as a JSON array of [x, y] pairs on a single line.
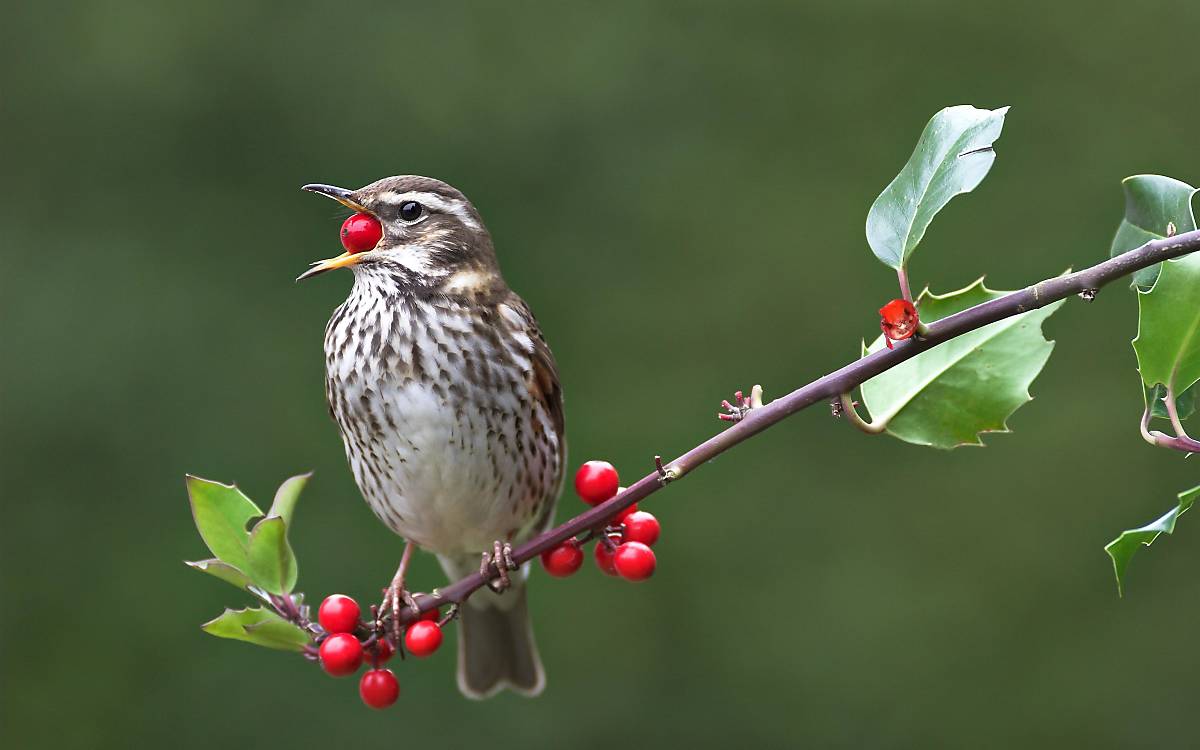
[[450, 616], [902, 275]]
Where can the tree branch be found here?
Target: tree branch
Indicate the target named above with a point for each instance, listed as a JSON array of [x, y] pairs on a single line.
[[828, 387]]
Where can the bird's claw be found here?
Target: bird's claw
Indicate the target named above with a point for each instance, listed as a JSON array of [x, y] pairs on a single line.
[[411, 602], [501, 555], [393, 595], [741, 405]]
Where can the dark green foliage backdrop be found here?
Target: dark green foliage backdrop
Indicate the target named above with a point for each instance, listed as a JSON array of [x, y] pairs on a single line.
[[679, 190]]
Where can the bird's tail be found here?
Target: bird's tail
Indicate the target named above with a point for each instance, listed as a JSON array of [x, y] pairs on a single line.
[[496, 649]]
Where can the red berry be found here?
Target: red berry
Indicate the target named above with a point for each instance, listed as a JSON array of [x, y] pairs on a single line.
[[563, 560], [361, 232], [596, 481], [432, 615], [423, 638], [641, 527], [378, 688], [381, 651], [341, 654], [634, 561], [338, 614], [604, 559]]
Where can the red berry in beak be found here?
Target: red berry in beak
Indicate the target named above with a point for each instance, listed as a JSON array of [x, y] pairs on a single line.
[[360, 233]]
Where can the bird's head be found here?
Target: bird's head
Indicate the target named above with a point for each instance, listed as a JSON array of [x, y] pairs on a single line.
[[432, 236]]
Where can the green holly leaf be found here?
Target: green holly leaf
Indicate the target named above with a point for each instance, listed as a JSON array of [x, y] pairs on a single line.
[[1122, 548], [952, 157], [259, 626], [1168, 340], [221, 513], [1185, 403], [1152, 203], [224, 571], [270, 562], [951, 394], [286, 496]]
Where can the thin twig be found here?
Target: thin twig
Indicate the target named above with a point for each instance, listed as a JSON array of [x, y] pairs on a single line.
[[836, 383]]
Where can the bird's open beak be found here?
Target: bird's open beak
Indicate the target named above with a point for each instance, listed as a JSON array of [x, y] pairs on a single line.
[[321, 266], [346, 198]]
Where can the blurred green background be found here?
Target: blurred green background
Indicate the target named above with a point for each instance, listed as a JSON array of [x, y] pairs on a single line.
[[679, 190]]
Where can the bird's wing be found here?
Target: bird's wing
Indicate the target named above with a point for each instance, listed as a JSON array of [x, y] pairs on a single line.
[[543, 380], [545, 389]]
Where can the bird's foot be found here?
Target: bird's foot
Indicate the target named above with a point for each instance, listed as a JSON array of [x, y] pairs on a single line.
[[742, 405], [501, 555], [393, 595]]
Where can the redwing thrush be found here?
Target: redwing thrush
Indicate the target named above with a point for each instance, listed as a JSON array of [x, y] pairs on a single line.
[[448, 401]]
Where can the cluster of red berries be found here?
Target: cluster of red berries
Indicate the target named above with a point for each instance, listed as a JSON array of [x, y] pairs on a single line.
[[624, 546], [623, 550], [342, 653]]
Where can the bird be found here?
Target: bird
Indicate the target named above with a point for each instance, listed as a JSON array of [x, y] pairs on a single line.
[[448, 400]]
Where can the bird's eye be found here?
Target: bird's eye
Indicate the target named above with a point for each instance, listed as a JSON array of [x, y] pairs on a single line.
[[410, 210]]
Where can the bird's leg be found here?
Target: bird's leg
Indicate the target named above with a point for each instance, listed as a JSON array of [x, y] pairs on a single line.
[[501, 554], [396, 592]]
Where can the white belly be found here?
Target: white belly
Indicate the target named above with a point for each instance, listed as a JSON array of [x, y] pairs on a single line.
[[447, 458], [442, 480]]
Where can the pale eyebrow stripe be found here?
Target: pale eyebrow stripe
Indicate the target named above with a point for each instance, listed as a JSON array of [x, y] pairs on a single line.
[[434, 201]]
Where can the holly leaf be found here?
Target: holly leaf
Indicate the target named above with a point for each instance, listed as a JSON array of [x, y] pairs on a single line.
[[1152, 202], [259, 626], [270, 562], [224, 571], [221, 513], [952, 157], [284, 504], [1168, 340], [1185, 403], [950, 395], [1122, 548]]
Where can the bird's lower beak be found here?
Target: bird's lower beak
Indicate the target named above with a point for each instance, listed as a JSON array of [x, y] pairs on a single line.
[[321, 266], [346, 198]]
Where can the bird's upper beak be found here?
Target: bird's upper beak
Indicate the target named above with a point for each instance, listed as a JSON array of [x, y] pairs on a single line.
[[346, 198]]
